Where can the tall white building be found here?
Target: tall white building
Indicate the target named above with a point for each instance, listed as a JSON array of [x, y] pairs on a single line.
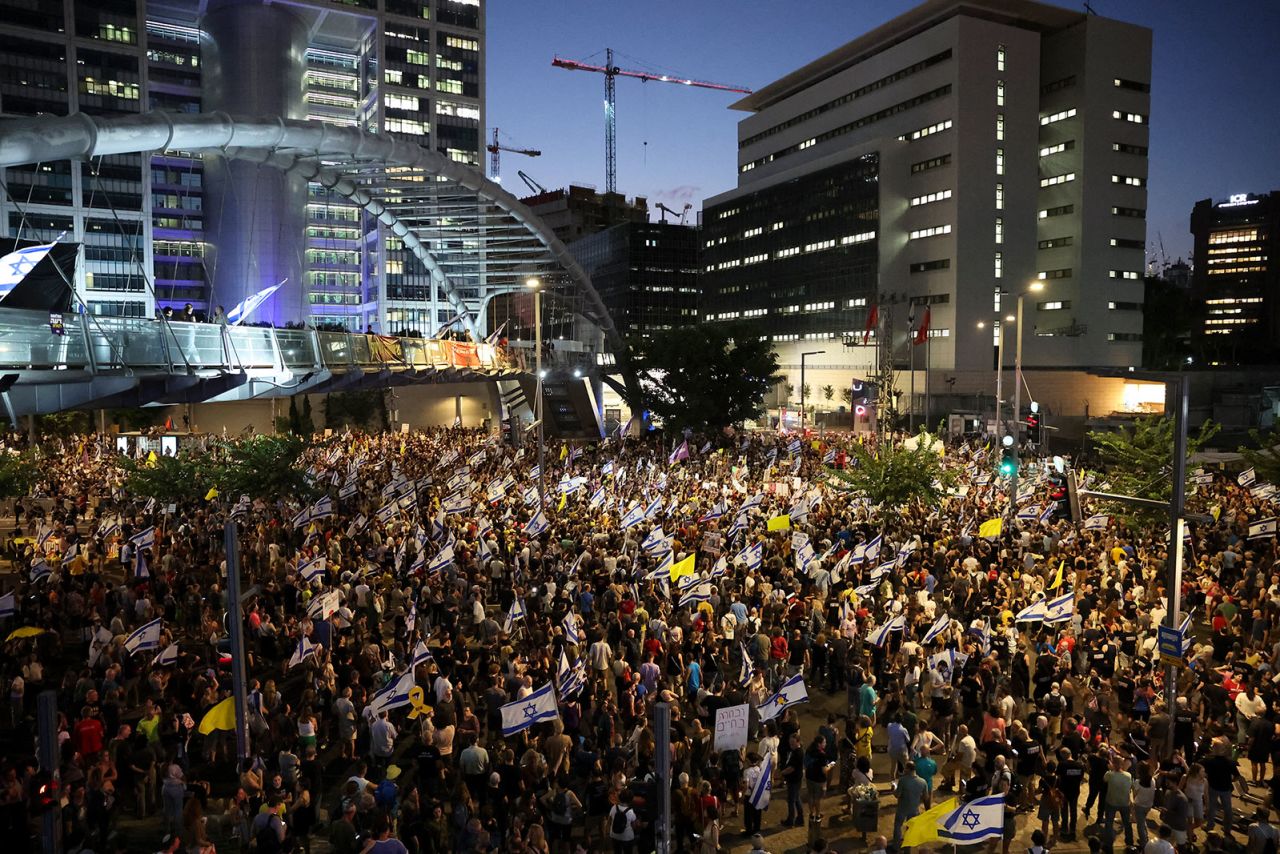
[[948, 158]]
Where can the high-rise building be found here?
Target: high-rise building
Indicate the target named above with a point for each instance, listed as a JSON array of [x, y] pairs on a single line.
[[1235, 283], [578, 211], [165, 230], [947, 159]]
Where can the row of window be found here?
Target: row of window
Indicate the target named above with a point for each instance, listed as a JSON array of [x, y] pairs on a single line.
[[932, 231], [929, 198], [939, 127]]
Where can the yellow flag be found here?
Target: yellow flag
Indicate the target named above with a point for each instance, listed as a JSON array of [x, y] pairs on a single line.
[[24, 632], [780, 523], [564, 451], [221, 716], [1216, 511], [683, 568], [991, 528], [923, 829], [1057, 579], [211, 494], [564, 499], [151, 458]]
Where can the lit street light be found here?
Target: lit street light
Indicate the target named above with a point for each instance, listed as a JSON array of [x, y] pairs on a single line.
[[534, 284]]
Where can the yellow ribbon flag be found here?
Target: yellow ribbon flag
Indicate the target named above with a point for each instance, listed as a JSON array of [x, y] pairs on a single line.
[[211, 494], [923, 829], [683, 568], [991, 528], [151, 458], [564, 451], [780, 523], [221, 716], [24, 632], [564, 499], [1057, 579]]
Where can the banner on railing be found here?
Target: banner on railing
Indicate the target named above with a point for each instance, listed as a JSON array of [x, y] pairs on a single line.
[[385, 348], [463, 354]]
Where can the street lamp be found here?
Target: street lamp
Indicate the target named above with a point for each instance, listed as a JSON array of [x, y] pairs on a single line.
[[804, 356], [1035, 286], [534, 284]]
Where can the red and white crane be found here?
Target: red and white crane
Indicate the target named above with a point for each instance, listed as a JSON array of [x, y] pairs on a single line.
[[495, 150], [610, 72]]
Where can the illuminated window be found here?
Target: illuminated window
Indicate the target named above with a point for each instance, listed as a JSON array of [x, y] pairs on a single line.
[[926, 131], [1058, 116], [461, 43], [929, 198], [410, 126], [999, 197], [999, 161], [462, 111], [1129, 180], [1057, 179], [860, 237], [1000, 58], [417, 57], [1058, 149], [934, 231], [1064, 273], [1053, 305], [402, 102], [1125, 274], [1236, 235], [999, 126], [999, 229], [1135, 118], [999, 93], [1129, 212], [999, 268]]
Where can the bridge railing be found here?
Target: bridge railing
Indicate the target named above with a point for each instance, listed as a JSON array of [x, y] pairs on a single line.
[[114, 344]]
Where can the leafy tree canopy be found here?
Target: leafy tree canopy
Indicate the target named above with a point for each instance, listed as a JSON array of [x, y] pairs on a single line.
[[265, 467], [170, 479], [704, 377], [1138, 461], [1265, 458], [17, 473], [893, 476]]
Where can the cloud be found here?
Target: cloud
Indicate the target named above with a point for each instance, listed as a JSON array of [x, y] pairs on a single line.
[[682, 193]]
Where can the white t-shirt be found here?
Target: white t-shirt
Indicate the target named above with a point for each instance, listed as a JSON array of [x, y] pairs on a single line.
[[629, 832]]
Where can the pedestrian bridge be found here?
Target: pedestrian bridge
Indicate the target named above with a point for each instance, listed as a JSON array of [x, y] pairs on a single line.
[[95, 362]]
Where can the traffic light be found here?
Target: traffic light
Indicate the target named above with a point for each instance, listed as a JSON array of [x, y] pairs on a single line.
[[1008, 457], [1033, 428], [1058, 495], [44, 794]]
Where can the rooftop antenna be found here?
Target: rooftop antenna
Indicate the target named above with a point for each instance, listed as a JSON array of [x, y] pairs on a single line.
[[1088, 8]]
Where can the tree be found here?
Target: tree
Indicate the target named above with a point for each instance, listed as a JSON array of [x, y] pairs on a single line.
[[828, 392], [846, 395], [264, 467], [17, 473], [704, 377], [366, 409], [1138, 461], [170, 479], [807, 390], [893, 476], [1265, 458]]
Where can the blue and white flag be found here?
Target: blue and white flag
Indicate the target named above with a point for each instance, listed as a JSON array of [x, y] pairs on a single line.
[[752, 555], [1184, 629], [8, 604], [975, 821], [751, 503], [597, 498], [1097, 523], [144, 539], [748, 667], [606, 469], [395, 695], [655, 507], [714, 513], [140, 568], [759, 795], [39, 570], [322, 509], [144, 637], [1046, 515], [325, 605], [881, 633], [304, 650], [739, 524], [655, 542], [804, 557], [1246, 478], [15, 266], [872, 551], [459, 502], [522, 714], [705, 448], [793, 447], [571, 679], [572, 633], [421, 655], [829, 457], [167, 656], [442, 559], [1060, 609], [313, 569], [696, 594], [663, 571], [537, 525], [939, 626], [633, 517], [251, 303], [790, 693], [1033, 613], [1029, 513], [1264, 528], [515, 612], [720, 569]]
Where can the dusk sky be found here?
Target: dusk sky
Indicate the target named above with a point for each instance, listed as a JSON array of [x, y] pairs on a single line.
[[1215, 125]]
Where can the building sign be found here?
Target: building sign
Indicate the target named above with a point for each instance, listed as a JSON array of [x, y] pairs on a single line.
[[1238, 200]]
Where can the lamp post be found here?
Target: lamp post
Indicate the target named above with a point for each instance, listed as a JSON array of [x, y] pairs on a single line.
[[1034, 287], [804, 356], [999, 326], [534, 284]]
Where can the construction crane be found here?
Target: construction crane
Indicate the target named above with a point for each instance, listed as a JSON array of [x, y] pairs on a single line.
[[495, 150], [534, 186], [610, 72], [666, 210]]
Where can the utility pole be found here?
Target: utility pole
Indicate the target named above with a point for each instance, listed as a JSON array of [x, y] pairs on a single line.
[[536, 285], [1179, 390], [804, 356], [662, 775]]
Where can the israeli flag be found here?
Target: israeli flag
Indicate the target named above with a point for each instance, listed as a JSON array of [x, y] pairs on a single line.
[[841, 567], [241, 507], [1097, 523], [8, 604], [1184, 629], [144, 539], [760, 792], [1061, 609], [1246, 478], [304, 650], [720, 569], [633, 517], [975, 821], [571, 632], [313, 569], [1033, 613], [537, 525], [655, 542], [395, 695], [1029, 513], [144, 637], [881, 633], [421, 655], [752, 555], [1265, 528], [751, 503], [705, 448], [140, 568], [522, 714], [324, 606], [535, 472], [570, 678], [654, 508], [1046, 516], [804, 557], [322, 509], [939, 626], [15, 266], [606, 469], [739, 524], [696, 594], [829, 457], [793, 447], [167, 656], [714, 513], [300, 518], [865, 590], [357, 525], [871, 552], [515, 612], [663, 570], [459, 502], [442, 559], [748, 667], [790, 693], [597, 498], [251, 303]]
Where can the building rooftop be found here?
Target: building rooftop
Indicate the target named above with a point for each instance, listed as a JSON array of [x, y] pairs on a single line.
[[1019, 13]]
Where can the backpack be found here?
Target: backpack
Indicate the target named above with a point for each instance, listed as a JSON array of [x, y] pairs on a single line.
[[620, 821], [266, 840]]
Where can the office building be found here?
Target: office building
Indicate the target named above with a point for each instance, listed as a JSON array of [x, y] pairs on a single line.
[[1235, 283], [946, 159], [165, 230], [578, 211], [646, 274]]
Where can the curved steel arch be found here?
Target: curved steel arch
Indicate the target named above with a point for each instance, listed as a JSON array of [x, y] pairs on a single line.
[[293, 145]]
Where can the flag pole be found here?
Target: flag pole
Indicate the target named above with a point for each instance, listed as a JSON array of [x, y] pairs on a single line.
[[235, 629]]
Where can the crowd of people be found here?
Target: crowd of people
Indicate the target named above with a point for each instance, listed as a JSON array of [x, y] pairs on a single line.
[[400, 618]]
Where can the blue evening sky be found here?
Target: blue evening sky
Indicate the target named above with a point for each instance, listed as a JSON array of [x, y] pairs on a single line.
[[1215, 125]]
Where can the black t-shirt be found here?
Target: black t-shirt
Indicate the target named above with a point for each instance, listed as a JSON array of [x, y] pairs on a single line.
[[1220, 772], [1184, 726], [991, 749], [1029, 755], [1070, 777]]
